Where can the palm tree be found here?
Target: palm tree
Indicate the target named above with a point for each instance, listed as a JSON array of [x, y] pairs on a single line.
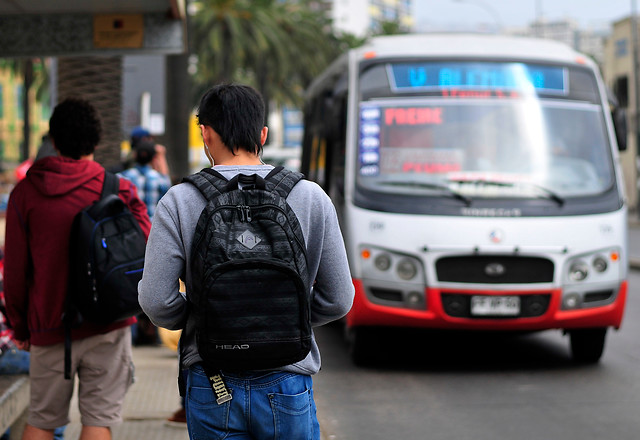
[[277, 47], [390, 27], [34, 74]]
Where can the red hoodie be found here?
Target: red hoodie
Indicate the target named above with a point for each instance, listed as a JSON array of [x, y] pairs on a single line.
[[39, 216]]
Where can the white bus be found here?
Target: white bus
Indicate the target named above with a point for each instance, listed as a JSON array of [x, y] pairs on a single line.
[[478, 186]]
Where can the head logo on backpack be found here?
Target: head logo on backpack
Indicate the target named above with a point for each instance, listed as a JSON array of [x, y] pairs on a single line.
[[250, 287], [106, 258]]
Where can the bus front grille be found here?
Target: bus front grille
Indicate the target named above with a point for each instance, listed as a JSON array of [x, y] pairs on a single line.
[[494, 269]]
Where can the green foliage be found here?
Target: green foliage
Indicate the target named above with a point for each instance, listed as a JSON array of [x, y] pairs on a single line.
[[392, 27], [278, 47], [34, 73], [350, 41], [40, 73]]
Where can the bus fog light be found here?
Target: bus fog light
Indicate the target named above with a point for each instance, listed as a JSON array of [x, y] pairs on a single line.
[[571, 301], [406, 269], [578, 271], [536, 305], [600, 264], [414, 298], [382, 262]]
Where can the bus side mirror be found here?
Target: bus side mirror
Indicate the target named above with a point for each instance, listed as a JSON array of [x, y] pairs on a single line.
[[619, 117]]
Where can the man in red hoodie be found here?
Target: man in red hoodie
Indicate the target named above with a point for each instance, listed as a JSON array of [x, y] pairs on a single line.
[[39, 215]]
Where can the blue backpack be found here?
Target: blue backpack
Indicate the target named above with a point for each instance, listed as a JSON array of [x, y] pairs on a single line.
[[106, 258]]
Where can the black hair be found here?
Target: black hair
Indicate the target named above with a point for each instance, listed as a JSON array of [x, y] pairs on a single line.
[[236, 113], [144, 152], [75, 128]]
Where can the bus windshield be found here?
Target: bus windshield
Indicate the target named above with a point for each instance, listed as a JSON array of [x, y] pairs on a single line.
[[482, 130]]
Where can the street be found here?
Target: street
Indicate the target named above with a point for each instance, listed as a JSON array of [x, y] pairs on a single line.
[[438, 386]]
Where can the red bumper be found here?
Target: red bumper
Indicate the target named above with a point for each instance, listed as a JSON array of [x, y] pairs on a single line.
[[365, 313]]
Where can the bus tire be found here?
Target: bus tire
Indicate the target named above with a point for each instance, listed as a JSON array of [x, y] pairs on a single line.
[[361, 341], [587, 345]]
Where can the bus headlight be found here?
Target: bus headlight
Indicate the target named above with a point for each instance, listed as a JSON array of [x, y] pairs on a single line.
[[382, 261], [381, 264], [406, 269], [392, 279], [600, 264], [578, 271]]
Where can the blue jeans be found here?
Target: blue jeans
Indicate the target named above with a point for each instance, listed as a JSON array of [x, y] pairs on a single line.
[[14, 361], [265, 405], [58, 434]]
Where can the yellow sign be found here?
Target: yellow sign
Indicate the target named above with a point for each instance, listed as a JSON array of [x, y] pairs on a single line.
[[118, 31]]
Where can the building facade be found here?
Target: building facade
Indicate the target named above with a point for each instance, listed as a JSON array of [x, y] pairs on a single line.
[[620, 76], [567, 31], [362, 17]]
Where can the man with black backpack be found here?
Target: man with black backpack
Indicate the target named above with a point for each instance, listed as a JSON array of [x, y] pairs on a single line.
[[42, 208], [263, 259]]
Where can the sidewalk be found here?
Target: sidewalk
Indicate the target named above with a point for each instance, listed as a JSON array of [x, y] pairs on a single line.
[[150, 400]]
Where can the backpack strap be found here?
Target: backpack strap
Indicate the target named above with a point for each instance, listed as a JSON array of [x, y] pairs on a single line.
[[110, 190], [209, 182], [282, 180], [111, 184]]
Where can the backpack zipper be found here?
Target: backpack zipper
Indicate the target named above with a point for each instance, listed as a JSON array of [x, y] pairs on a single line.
[[244, 212]]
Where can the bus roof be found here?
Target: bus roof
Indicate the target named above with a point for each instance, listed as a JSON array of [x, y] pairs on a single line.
[[472, 45], [456, 45]]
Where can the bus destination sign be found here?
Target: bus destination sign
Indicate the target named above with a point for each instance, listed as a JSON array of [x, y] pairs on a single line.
[[415, 76]]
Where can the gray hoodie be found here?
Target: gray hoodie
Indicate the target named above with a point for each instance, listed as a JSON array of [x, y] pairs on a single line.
[[169, 252]]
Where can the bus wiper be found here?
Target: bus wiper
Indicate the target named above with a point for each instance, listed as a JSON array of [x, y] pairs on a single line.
[[456, 195], [551, 195]]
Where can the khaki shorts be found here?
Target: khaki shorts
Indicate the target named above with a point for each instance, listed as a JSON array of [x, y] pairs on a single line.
[[104, 368]]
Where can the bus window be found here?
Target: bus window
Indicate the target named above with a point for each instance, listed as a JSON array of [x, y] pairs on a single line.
[[512, 134]]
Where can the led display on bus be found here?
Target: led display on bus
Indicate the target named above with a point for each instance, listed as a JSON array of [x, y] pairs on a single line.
[[477, 75]]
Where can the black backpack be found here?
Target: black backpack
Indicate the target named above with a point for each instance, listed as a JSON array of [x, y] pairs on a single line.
[[250, 289], [106, 258]]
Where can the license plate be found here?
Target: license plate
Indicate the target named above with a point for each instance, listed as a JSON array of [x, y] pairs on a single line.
[[495, 305]]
